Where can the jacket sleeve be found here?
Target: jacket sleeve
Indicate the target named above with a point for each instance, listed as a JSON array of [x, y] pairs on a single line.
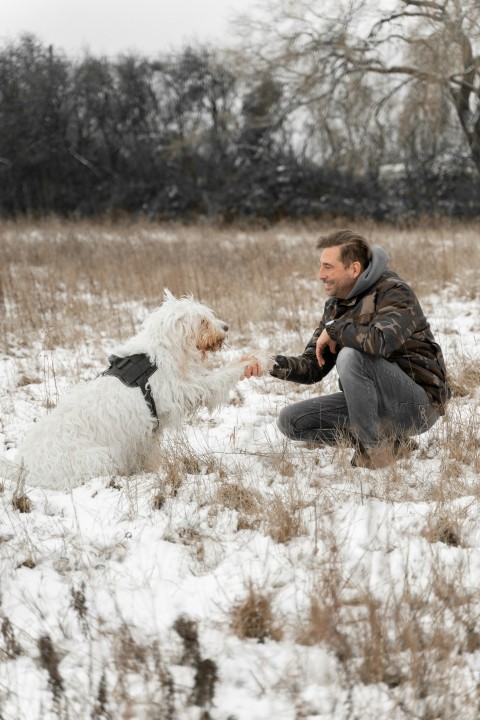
[[385, 332], [304, 368]]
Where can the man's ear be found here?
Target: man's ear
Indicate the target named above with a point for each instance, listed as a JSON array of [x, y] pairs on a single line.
[[357, 268]]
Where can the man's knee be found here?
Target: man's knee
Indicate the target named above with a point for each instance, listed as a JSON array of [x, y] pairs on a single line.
[[286, 423], [349, 359]]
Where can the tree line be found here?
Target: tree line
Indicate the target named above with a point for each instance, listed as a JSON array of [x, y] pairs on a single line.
[[197, 132]]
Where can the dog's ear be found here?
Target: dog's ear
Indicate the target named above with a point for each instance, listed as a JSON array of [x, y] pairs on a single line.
[[167, 295]]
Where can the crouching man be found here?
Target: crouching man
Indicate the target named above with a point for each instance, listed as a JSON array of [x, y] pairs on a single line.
[[391, 371]]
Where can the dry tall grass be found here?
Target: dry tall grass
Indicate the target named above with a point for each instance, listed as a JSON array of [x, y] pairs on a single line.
[[70, 283]]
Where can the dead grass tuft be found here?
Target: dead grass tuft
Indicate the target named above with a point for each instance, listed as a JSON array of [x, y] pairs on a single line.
[[79, 604], [206, 677], [29, 563], [172, 476], [25, 380], [206, 674], [175, 461], [247, 522], [22, 503], [130, 655], [462, 438], [253, 617], [188, 630], [466, 380], [235, 496], [445, 528], [322, 628], [100, 709], [280, 461], [50, 660], [158, 500], [12, 648], [283, 520]]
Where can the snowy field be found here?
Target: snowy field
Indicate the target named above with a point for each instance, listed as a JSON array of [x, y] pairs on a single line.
[[245, 577]]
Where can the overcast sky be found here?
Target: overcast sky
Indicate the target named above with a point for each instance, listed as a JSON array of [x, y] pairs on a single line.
[[113, 26]]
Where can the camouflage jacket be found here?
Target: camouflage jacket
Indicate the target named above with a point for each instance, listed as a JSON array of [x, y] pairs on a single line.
[[381, 317]]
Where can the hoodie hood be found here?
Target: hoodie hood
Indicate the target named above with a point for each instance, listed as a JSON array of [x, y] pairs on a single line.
[[372, 272]]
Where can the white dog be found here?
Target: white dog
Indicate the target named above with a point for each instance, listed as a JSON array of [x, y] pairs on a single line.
[[107, 427]]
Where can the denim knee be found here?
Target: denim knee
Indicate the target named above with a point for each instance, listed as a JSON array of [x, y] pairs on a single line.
[[347, 359], [285, 423]]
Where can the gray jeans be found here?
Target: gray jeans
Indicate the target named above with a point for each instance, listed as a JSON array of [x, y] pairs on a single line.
[[379, 401]]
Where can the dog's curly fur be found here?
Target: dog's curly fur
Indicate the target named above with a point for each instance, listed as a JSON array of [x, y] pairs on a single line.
[[104, 427]]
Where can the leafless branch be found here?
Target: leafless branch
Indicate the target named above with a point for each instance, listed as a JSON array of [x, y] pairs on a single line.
[[84, 161], [394, 16], [426, 3], [402, 70]]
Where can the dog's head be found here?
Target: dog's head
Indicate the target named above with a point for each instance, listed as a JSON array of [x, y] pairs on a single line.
[[183, 324]]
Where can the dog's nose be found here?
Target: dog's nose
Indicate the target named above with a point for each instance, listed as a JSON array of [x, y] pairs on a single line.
[[224, 327]]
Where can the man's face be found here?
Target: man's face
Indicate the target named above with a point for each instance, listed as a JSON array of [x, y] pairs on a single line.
[[337, 278]]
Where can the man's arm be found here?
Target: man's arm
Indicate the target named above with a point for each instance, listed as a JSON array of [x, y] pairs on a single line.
[[305, 368]]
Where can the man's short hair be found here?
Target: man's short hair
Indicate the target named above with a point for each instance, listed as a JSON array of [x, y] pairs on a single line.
[[353, 246]]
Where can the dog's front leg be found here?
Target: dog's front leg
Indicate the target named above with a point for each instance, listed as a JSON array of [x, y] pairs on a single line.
[[220, 381]]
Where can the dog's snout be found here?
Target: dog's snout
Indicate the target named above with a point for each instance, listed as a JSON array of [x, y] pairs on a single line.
[[225, 327]]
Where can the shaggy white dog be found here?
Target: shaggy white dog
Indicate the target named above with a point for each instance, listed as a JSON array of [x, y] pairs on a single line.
[[104, 427]]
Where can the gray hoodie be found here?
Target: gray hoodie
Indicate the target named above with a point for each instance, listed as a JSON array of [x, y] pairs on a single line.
[[372, 272]]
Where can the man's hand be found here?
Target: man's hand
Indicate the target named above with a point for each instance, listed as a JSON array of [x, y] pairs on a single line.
[[253, 369], [324, 341]]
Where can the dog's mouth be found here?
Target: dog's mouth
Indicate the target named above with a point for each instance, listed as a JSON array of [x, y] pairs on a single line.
[[211, 344]]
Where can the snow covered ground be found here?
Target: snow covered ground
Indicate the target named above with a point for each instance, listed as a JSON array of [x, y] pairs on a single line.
[[246, 578]]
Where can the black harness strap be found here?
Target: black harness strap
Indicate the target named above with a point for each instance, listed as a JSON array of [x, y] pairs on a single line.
[[134, 371]]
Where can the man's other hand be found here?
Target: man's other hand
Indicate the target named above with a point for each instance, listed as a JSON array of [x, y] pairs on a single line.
[[324, 341]]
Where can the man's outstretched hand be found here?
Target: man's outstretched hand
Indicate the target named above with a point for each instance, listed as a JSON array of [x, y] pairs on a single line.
[[253, 369]]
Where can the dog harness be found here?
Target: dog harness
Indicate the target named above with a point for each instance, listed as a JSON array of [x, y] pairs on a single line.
[[134, 371]]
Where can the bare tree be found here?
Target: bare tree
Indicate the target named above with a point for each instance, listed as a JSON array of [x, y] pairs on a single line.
[[325, 50]]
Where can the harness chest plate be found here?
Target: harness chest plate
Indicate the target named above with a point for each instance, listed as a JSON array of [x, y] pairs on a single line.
[[134, 371]]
